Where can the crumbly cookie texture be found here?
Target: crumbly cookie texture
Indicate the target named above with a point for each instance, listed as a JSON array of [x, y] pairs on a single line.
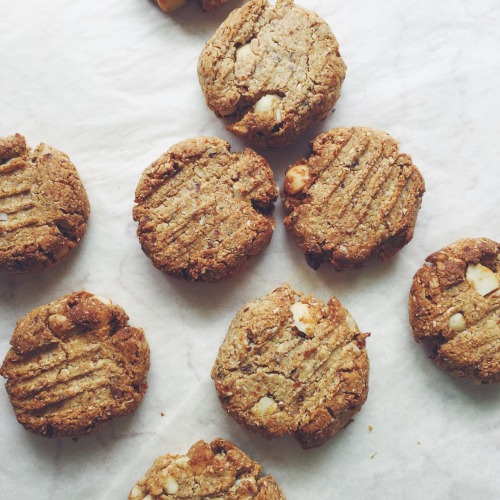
[[74, 364], [354, 198], [206, 5], [203, 211], [293, 365], [209, 470], [455, 305], [274, 69], [43, 206]]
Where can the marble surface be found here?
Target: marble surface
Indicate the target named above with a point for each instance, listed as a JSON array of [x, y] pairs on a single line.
[[114, 84]]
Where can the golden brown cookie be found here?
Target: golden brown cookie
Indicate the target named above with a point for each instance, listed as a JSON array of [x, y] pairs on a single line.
[[354, 198], [273, 69], [74, 364], [292, 365], [455, 306], [206, 5], [43, 206], [203, 211], [209, 470]]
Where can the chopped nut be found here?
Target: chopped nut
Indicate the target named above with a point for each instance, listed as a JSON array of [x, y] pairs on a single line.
[[148, 497], [265, 406], [59, 323], [104, 300], [3, 216], [302, 318], [199, 171], [297, 178], [170, 5], [266, 104], [351, 323], [171, 485], [243, 52], [136, 493], [457, 322], [162, 227], [483, 279], [183, 463]]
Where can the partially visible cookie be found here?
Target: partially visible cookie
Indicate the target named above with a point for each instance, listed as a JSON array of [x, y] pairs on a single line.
[[74, 364], [43, 206], [209, 470], [455, 305], [171, 5], [203, 211], [291, 365], [354, 198], [274, 69]]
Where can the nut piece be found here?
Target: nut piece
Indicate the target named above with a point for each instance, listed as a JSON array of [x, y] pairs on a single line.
[[296, 178], [182, 463], [136, 493], [59, 323], [265, 406], [105, 300], [171, 485], [353, 327], [243, 52], [483, 279], [457, 322], [266, 104], [302, 318], [170, 5], [4, 217]]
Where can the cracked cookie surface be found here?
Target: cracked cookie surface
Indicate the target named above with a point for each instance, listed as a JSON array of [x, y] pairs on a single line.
[[43, 206], [354, 198], [291, 365], [209, 470], [455, 306], [274, 69], [203, 211], [74, 364]]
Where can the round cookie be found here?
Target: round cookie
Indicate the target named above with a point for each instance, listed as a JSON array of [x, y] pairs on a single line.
[[74, 364], [354, 198], [274, 69], [203, 211], [292, 365], [455, 306], [171, 5], [43, 206], [209, 470]]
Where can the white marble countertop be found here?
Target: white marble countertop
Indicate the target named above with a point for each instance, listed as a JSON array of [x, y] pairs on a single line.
[[114, 84]]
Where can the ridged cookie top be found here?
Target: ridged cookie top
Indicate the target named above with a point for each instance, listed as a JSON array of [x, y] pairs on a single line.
[[355, 197], [455, 304], [292, 365], [203, 211], [43, 206], [74, 364], [275, 68], [209, 470]]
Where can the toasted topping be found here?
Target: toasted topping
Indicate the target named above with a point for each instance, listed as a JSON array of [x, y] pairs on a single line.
[[457, 322], [296, 179], [483, 279]]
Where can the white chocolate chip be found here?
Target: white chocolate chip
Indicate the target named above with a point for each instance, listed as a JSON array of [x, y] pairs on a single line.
[[170, 5], [171, 485], [136, 492], [182, 462], [457, 322], [148, 497], [3, 216], [297, 178], [265, 406], [199, 171], [104, 300], [302, 318], [483, 279], [163, 226], [59, 323], [266, 104], [243, 52], [351, 323]]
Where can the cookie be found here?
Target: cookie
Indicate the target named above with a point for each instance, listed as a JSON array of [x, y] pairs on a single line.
[[273, 70], [206, 5], [291, 365], [209, 470], [455, 307], [354, 198], [74, 364], [43, 206], [203, 211]]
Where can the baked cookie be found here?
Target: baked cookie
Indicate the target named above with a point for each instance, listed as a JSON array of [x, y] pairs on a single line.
[[355, 197], [292, 365], [274, 69], [206, 5], [455, 306], [203, 211], [74, 364], [209, 470], [43, 206]]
